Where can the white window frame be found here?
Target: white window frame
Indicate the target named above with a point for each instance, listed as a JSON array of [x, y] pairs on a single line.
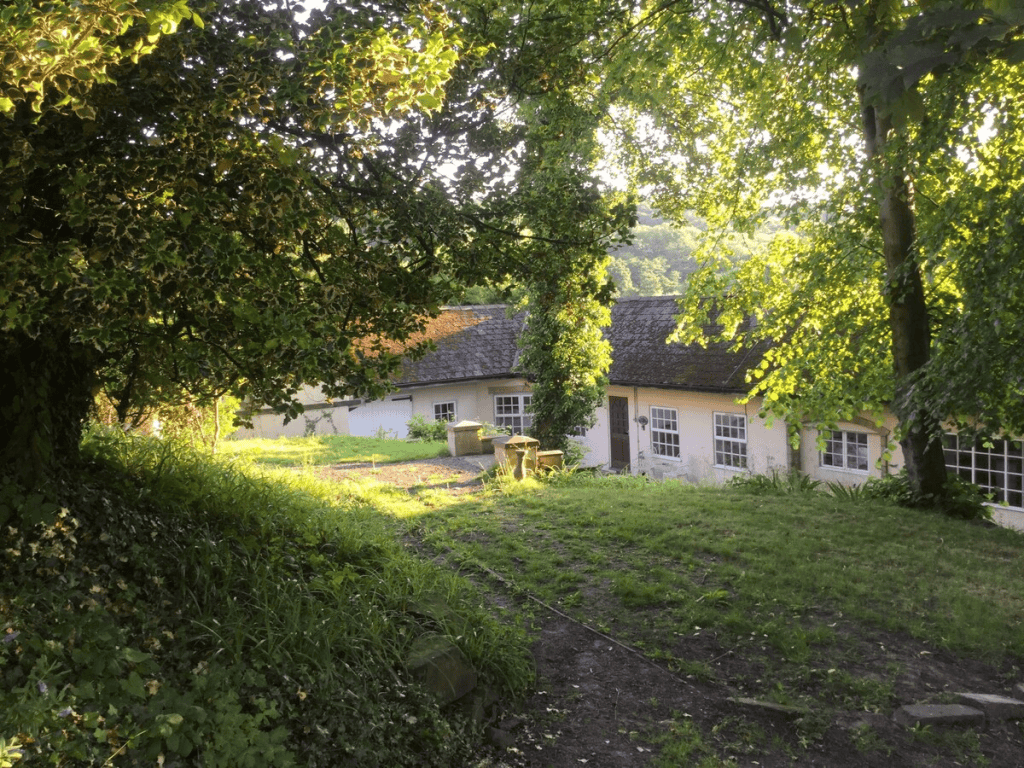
[[513, 411], [665, 437], [730, 440], [443, 406], [998, 470], [845, 450]]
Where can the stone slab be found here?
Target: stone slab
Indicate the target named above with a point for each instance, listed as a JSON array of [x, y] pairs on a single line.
[[995, 707], [441, 667], [938, 714]]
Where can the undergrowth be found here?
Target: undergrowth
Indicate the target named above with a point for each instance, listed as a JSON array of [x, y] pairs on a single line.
[[183, 612]]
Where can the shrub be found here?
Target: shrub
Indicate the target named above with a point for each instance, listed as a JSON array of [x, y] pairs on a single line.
[[775, 483], [961, 499], [421, 429]]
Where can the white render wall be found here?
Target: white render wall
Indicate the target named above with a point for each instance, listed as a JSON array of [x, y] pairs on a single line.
[[879, 464], [767, 447]]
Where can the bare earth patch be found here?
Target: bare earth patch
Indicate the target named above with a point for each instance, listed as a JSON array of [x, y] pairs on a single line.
[[600, 703]]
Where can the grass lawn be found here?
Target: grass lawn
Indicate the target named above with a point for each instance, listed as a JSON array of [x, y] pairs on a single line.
[[792, 598], [330, 449]]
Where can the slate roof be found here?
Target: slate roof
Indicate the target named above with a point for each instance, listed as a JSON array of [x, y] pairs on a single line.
[[640, 356], [479, 342]]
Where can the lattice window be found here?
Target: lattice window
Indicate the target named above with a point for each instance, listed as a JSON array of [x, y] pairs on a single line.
[[731, 440], [665, 432], [513, 411], [444, 411], [997, 468], [846, 450]]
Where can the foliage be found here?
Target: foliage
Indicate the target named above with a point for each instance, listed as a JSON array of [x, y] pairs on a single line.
[[261, 201], [66, 48], [775, 482], [961, 499], [884, 137], [421, 429], [564, 351], [283, 646]]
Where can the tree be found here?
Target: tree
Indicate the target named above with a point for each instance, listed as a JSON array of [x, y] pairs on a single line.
[[246, 201], [886, 134]]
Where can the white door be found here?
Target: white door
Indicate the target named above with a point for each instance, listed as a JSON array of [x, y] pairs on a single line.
[[389, 416]]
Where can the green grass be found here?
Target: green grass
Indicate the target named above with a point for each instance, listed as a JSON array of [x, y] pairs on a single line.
[[796, 585], [183, 608], [330, 449]]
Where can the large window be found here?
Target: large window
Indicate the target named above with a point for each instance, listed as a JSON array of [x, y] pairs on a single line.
[[444, 411], [846, 450], [731, 440], [513, 411], [665, 432], [998, 469]]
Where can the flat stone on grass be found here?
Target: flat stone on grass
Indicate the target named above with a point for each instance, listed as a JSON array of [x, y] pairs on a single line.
[[441, 667], [769, 707], [938, 714], [994, 707]]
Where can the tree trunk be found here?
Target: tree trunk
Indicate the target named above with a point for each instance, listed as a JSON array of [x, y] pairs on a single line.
[[908, 312], [45, 397]]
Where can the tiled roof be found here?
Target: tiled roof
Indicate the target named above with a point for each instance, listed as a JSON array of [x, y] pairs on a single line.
[[640, 356], [479, 342]]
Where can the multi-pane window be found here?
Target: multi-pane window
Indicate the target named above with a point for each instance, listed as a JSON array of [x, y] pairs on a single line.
[[665, 432], [731, 440], [846, 450], [513, 411], [997, 469], [444, 411]]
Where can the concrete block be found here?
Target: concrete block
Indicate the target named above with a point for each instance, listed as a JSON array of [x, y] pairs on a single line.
[[994, 707], [938, 714]]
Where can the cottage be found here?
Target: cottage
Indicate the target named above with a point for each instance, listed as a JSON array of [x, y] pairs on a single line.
[[671, 410]]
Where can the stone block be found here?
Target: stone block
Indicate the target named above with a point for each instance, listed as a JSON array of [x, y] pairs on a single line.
[[938, 714], [994, 707], [441, 667]]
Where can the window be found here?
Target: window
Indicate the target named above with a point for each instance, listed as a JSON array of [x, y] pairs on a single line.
[[846, 450], [665, 432], [444, 411], [998, 469], [513, 411], [730, 440]]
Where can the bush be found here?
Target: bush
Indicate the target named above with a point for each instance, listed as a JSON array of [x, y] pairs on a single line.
[[432, 431], [961, 499]]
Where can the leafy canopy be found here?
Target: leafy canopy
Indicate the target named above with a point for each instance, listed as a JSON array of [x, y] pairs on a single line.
[[237, 199], [741, 111]]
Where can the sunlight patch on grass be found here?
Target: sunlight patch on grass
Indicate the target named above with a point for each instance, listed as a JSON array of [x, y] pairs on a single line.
[[324, 450]]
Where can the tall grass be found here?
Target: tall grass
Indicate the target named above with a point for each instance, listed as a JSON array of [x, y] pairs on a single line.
[[223, 618]]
